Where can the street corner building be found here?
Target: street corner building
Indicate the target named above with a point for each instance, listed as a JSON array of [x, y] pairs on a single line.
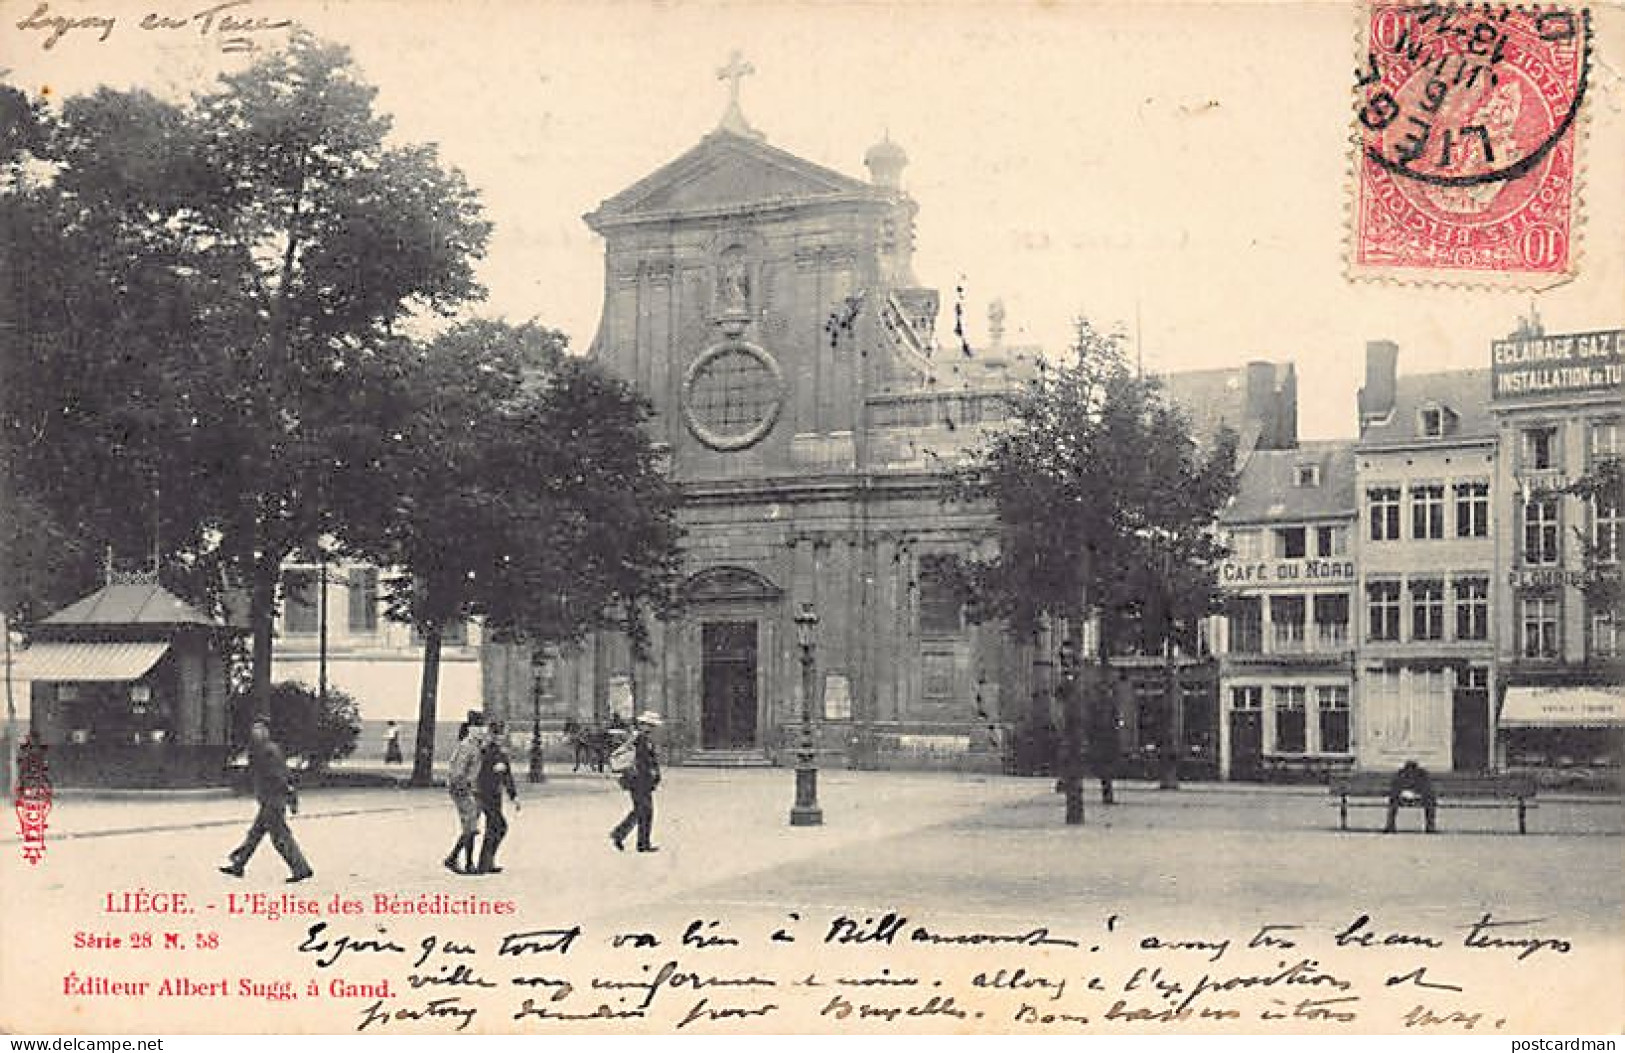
[[808, 406]]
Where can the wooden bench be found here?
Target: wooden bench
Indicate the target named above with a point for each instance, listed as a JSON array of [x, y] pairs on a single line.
[[1369, 789]]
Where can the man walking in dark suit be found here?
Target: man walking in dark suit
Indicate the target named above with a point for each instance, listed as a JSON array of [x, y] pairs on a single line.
[[640, 781], [495, 778], [276, 795]]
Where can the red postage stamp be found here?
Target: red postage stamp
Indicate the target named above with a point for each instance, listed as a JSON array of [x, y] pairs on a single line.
[[1468, 140]]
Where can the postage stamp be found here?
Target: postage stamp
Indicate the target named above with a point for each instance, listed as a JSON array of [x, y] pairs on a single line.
[[1468, 133]]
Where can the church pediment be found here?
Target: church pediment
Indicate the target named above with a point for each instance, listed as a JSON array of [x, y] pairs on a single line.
[[716, 584], [724, 172]]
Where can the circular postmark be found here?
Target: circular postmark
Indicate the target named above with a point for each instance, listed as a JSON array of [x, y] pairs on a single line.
[[732, 395], [1463, 100]]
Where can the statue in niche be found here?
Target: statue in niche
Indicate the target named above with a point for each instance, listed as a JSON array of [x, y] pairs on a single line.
[[735, 286]]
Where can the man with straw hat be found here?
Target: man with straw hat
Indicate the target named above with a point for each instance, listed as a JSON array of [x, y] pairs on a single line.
[[640, 774]]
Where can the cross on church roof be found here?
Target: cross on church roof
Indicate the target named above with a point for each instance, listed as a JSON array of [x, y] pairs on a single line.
[[733, 119]]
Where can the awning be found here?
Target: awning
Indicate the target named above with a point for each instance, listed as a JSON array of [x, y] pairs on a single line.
[[1601, 705], [70, 662]]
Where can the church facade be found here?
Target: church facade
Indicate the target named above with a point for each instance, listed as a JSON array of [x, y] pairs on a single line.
[[767, 308]]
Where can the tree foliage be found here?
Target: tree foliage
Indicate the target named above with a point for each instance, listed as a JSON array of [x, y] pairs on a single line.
[[519, 488], [208, 307], [316, 731]]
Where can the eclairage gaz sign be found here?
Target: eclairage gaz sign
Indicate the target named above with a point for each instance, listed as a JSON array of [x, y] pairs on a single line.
[[1573, 364]]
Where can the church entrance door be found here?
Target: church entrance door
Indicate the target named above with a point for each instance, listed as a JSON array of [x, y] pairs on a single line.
[[728, 684]]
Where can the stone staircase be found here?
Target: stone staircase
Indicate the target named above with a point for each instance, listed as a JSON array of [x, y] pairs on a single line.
[[732, 757]]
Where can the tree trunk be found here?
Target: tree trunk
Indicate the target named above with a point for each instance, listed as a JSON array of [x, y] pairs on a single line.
[[1072, 714], [261, 620], [1172, 708], [1105, 723], [428, 698]]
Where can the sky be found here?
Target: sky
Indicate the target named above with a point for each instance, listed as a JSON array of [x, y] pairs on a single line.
[[1179, 170]]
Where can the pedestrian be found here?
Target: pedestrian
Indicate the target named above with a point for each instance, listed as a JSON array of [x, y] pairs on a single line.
[[1103, 747], [392, 744], [1411, 785], [461, 774], [639, 779], [495, 778], [275, 792]]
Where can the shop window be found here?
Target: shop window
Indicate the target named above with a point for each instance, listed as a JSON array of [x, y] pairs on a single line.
[[1472, 609], [1246, 625], [1382, 506], [1382, 610], [1289, 718], [1541, 532], [1607, 634], [1427, 610], [363, 599], [1286, 622], [300, 611], [1332, 621], [1606, 531], [1472, 509], [1427, 512], [1291, 543], [1332, 706], [1540, 448], [1539, 626]]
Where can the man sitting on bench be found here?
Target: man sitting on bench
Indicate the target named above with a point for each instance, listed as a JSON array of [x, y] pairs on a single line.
[[1411, 786]]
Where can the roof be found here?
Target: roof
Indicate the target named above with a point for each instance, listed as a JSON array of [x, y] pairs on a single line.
[[1464, 392], [1268, 489], [723, 171], [81, 662], [130, 604], [1212, 399]]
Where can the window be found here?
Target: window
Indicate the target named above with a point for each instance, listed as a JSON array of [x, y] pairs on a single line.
[[299, 602], [1244, 544], [363, 599], [1604, 440], [1308, 475], [1382, 610], [1291, 543], [1332, 703], [1331, 621], [1382, 504], [1540, 532], [1540, 621], [1286, 617], [1289, 718], [1427, 512], [1246, 625], [1605, 527], [1433, 421], [1331, 541], [1472, 609], [1475, 678], [1607, 633], [1540, 448], [1472, 509], [940, 607], [1247, 699], [1427, 610]]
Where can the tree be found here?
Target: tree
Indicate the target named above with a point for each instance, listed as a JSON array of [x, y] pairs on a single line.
[[233, 269], [1105, 506], [1604, 487], [520, 488], [317, 730]]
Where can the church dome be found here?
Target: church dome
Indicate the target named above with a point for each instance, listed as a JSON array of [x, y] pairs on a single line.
[[885, 161]]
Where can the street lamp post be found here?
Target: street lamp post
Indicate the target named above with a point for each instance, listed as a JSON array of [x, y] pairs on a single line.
[[538, 771], [806, 811]]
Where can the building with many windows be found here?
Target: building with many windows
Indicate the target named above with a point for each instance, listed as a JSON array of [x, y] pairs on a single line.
[[1286, 672], [1426, 468], [1558, 404]]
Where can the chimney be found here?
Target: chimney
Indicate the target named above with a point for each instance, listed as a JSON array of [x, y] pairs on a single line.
[[1377, 396]]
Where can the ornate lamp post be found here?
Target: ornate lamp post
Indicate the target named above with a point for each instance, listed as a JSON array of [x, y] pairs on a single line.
[[806, 811], [538, 773]]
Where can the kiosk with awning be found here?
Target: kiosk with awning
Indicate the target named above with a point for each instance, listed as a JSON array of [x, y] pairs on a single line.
[[1564, 726], [128, 688]]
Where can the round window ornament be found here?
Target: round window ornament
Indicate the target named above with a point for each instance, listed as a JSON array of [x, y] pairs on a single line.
[[732, 395]]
